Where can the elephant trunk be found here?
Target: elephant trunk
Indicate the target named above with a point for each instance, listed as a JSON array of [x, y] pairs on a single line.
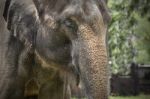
[[93, 62]]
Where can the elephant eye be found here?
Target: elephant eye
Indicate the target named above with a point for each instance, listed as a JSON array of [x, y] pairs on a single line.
[[70, 24]]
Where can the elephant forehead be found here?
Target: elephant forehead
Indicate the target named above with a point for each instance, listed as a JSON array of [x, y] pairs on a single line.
[[85, 11]]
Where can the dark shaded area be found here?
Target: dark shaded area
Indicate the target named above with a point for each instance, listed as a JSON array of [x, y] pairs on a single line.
[[137, 82], [142, 6], [32, 97], [6, 9]]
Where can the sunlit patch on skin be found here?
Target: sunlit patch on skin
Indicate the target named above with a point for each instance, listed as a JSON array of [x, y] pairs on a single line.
[[32, 9], [71, 10], [43, 63], [31, 88], [50, 21]]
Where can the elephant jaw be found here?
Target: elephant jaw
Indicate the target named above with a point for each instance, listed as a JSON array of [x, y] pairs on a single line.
[[93, 63]]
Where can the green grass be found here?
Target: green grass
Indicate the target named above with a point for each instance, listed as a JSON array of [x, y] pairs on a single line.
[[132, 97], [128, 97]]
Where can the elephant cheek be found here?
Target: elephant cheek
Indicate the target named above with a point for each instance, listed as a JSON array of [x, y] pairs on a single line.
[[93, 63]]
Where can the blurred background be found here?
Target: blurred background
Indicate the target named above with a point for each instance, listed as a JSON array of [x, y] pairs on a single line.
[[129, 49]]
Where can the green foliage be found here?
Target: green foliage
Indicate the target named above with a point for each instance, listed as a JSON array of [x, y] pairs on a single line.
[[142, 43], [140, 6], [119, 36], [129, 33]]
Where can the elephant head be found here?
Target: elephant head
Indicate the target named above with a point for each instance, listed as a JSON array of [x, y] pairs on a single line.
[[73, 33]]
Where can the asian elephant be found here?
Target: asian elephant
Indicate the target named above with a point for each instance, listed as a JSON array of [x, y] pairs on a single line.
[[52, 44]]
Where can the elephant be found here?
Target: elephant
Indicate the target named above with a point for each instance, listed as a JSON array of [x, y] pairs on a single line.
[[51, 45]]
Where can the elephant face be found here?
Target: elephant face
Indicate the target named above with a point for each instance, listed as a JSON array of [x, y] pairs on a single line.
[[74, 32]]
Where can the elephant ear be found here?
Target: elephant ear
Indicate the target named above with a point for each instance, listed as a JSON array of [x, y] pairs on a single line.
[[102, 4]]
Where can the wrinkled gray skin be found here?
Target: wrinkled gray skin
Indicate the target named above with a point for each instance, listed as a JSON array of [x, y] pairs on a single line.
[[51, 43]]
